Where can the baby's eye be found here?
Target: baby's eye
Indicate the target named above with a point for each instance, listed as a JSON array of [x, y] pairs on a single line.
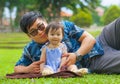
[[58, 34], [52, 34]]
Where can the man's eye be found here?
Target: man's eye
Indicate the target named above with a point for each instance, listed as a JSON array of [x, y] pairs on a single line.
[[32, 31], [41, 27]]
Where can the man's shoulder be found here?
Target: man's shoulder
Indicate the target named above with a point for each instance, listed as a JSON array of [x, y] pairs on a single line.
[[30, 44], [67, 25], [66, 22]]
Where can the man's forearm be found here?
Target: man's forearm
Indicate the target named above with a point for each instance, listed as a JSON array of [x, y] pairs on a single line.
[[87, 43], [86, 46], [21, 69]]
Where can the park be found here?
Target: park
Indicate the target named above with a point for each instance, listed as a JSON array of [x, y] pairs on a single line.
[[13, 40]]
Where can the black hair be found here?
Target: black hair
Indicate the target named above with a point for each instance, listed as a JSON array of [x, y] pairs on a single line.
[[28, 19], [55, 25]]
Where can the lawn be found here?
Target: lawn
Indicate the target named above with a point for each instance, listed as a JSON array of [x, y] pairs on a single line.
[[13, 40], [8, 58]]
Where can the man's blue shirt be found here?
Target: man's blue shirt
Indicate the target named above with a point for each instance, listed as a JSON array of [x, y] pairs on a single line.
[[72, 33]]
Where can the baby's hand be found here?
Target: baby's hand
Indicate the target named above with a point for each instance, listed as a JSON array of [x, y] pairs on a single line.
[[58, 70]]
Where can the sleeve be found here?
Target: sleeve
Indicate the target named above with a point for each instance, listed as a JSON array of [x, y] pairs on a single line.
[[44, 46], [25, 59], [74, 31]]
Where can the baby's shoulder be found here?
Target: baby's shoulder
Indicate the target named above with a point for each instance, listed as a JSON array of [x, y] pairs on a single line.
[[44, 46]]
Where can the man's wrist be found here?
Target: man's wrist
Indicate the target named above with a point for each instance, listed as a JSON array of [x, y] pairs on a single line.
[[78, 56]]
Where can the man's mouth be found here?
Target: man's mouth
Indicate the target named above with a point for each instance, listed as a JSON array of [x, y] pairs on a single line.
[[43, 35]]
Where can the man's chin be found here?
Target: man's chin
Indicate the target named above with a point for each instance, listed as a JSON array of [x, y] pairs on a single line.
[[42, 41]]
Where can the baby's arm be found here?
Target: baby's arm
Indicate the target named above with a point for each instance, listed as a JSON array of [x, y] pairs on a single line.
[[63, 59], [43, 58], [44, 70]]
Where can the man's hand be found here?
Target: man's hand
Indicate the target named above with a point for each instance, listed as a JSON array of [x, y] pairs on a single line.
[[34, 67], [71, 59]]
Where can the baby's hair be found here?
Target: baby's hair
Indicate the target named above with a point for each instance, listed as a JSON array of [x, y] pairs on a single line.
[[54, 26]]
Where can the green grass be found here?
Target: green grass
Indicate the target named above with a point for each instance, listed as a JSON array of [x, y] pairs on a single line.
[[94, 32], [12, 45], [13, 40], [16, 37], [8, 58]]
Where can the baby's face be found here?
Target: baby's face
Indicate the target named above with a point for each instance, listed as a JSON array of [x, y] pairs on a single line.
[[55, 36]]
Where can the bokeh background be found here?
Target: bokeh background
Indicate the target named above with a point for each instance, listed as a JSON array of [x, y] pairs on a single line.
[[84, 13]]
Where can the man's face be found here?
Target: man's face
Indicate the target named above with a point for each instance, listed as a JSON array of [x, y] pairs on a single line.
[[37, 31]]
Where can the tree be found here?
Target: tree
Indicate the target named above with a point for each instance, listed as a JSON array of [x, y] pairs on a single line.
[[49, 8], [52, 8], [2, 5], [111, 14], [22, 7], [82, 18]]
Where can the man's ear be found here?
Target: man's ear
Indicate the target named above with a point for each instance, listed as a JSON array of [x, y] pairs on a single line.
[[29, 36]]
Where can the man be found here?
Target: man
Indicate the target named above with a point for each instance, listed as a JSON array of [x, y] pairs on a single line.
[[82, 46]]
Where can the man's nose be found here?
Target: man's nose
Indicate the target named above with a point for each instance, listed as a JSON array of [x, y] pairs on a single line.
[[39, 31]]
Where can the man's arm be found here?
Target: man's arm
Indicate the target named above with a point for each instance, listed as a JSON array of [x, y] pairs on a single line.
[[32, 68], [87, 43]]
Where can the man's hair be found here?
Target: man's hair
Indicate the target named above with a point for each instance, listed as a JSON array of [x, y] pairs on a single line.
[[28, 19], [55, 25]]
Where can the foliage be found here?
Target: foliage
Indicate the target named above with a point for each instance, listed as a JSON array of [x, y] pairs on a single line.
[[49, 8], [111, 14], [2, 5], [96, 18], [24, 6], [52, 8], [82, 18], [89, 4]]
